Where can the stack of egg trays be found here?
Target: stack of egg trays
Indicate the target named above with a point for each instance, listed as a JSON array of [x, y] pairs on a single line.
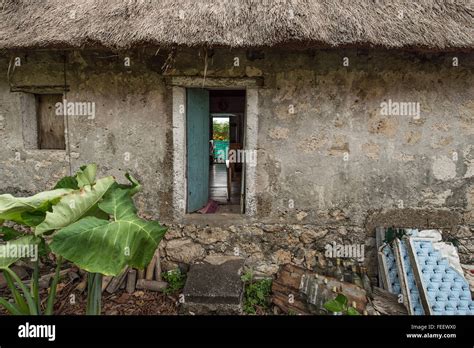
[[408, 285], [390, 278], [443, 291]]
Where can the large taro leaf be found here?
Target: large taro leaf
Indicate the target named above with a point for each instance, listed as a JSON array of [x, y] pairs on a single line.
[[8, 233], [106, 247], [134, 186], [11, 251], [67, 182], [74, 206], [86, 175], [23, 209]]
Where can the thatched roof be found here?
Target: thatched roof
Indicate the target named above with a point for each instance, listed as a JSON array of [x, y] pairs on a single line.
[[427, 24]]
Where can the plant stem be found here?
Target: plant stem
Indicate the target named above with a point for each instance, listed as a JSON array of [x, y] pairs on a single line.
[[31, 304], [17, 296], [53, 287], [35, 285], [94, 293], [10, 307]]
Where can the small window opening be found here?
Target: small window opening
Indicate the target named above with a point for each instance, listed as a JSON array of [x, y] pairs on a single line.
[[49, 122]]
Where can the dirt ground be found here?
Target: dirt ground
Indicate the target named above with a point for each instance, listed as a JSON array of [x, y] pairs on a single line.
[[122, 303], [71, 301]]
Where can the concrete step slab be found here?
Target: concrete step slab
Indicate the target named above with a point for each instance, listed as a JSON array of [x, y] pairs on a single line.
[[214, 287]]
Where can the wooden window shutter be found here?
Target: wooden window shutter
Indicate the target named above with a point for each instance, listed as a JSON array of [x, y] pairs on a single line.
[[50, 125]]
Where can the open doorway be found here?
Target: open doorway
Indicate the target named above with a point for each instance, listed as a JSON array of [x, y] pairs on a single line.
[[215, 139]]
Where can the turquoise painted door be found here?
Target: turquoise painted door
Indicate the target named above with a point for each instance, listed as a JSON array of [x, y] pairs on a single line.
[[197, 144]]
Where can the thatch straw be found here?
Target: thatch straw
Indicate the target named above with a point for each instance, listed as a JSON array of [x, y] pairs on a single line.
[[427, 24]]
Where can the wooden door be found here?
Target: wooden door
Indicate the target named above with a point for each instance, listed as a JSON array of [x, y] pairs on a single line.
[[197, 144]]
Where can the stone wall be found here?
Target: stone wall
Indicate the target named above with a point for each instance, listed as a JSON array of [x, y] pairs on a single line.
[[331, 165], [267, 246], [131, 131]]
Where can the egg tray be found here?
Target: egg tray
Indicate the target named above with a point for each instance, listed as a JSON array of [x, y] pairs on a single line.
[[409, 289], [443, 290], [388, 270], [390, 277]]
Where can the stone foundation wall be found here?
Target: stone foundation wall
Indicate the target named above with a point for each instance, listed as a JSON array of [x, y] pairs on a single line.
[[267, 246]]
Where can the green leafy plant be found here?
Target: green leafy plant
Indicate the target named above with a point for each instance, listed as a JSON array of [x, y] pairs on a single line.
[[220, 130], [8, 233], [256, 293], [175, 280], [340, 305], [26, 301], [92, 223], [393, 233], [453, 240]]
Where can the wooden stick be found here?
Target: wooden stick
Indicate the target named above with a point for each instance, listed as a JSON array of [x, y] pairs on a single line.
[[82, 285], [115, 283], [157, 265], [106, 281], [387, 303], [46, 279], [153, 285], [131, 280], [150, 269], [140, 274]]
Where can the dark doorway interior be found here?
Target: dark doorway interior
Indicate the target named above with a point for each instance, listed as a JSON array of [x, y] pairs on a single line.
[[227, 111]]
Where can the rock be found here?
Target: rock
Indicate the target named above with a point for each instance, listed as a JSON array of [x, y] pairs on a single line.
[[309, 236], [218, 247], [342, 230], [184, 250], [167, 265], [301, 215], [265, 269], [173, 233], [253, 231], [310, 259], [251, 248], [272, 228], [299, 256], [255, 258], [285, 240], [300, 253], [337, 215], [189, 230], [281, 257], [212, 235], [220, 259], [464, 232]]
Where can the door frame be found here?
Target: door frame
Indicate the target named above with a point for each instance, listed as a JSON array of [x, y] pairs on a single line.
[[179, 85]]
